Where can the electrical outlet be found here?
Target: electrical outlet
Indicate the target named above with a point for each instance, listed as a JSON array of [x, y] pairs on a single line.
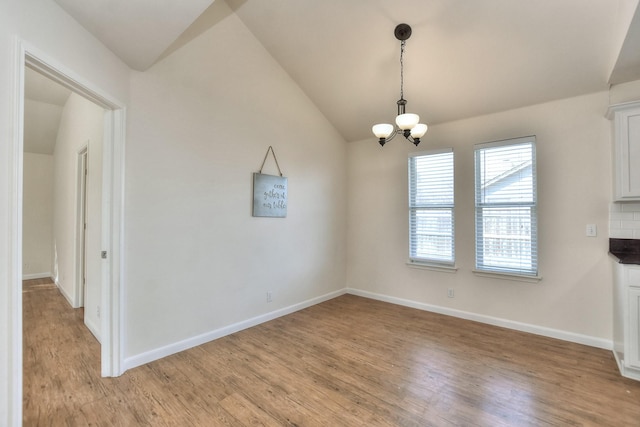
[[592, 230], [269, 296], [450, 292]]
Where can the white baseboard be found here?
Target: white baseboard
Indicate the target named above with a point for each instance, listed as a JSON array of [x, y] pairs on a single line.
[[631, 373], [95, 330], [496, 321], [37, 276], [159, 353], [65, 294]]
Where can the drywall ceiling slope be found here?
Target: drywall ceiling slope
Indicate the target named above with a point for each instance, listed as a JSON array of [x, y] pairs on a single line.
[[44, 102], [464, 59], [217, 12], [137, 31], [627, 66], [40, 88]]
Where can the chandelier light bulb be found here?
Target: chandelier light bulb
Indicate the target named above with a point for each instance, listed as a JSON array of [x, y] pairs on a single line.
[[382, 130], [418, 130], [407, 120]]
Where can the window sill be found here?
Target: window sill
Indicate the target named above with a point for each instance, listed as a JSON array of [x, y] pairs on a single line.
[[508, 276], [432, 267]]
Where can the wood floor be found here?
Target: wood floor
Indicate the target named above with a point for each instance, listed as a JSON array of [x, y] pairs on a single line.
[[347, 362]]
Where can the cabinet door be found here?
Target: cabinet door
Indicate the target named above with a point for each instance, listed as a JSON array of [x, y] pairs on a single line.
[[632, 355], [627, 141]]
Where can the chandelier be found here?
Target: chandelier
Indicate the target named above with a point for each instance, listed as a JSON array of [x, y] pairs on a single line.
[[407, 124]]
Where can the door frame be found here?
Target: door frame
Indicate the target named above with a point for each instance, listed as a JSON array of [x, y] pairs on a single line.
[[112, 360], [81, 227]]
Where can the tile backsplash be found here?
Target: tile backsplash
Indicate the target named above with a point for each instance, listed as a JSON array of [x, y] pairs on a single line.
[[624, 220]]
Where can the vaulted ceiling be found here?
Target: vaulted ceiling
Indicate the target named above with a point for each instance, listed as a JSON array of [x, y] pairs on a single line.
[[138, 31], [465, 57]]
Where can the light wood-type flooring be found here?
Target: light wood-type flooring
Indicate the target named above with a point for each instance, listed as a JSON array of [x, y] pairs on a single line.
[[350, 361]]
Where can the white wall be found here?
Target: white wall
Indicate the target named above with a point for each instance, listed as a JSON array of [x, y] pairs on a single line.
[[37, 218], [199, 125], [574, 182], [46, 28], [81, 125]]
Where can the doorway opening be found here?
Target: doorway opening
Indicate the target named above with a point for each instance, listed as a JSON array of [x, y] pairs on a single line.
[[111, 214], [111, 179]]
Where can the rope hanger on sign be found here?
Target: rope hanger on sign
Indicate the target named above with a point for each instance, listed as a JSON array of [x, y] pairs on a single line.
[[274, 158]]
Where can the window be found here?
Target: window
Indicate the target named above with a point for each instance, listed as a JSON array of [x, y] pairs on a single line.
[[506, 220], [431, 238]]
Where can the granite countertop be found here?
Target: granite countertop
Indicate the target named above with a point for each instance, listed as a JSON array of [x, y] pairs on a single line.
[[627, 251]]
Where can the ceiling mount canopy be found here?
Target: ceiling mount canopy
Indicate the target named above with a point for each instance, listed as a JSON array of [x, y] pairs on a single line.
[[402, 32], [407, 124]]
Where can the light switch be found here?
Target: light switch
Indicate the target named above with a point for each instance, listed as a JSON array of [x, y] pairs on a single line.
[[592, 230]]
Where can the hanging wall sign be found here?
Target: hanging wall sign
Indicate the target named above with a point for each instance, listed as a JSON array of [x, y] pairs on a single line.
[[269, 192]]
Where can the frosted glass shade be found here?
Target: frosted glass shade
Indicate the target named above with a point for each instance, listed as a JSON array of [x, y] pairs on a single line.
[[418, 130], [407, 120], [382, 130]]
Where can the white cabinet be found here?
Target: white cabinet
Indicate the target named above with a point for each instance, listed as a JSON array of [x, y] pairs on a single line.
[[626, 324], [626, 156], [632, 357]]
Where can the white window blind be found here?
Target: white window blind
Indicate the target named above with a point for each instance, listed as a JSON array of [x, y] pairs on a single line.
[[431, 225], [506, 211]]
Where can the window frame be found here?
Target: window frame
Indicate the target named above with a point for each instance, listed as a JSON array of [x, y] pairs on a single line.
[[481, 207], [430, 262]]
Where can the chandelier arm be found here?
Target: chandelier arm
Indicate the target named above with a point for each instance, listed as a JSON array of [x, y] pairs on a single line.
[[393, 135], [414, 141]]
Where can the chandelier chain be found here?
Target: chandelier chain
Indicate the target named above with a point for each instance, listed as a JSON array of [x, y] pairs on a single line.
[[402, 43]]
